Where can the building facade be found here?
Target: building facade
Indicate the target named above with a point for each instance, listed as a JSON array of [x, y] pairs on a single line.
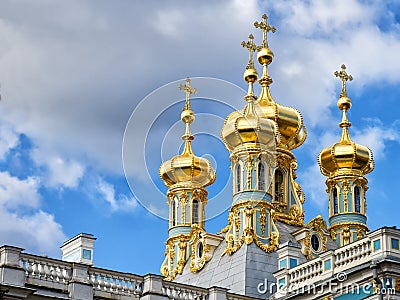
[[266, 250]]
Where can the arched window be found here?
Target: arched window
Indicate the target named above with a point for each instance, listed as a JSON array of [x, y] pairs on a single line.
[[173, 212], [278, 185], [261, 176], [195, 212], [238, 173], [357, 201], [335, 200]]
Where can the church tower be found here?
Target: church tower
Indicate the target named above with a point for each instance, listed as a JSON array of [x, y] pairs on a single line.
[[346, 164], [260, 139], [186, 175], [252, 142]]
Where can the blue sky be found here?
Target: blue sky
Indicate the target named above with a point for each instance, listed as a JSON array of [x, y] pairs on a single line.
[[73, 72]]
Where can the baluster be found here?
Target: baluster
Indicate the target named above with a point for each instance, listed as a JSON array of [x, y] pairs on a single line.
[[107, 283], [102, 284], [95, 281], [53, 273]]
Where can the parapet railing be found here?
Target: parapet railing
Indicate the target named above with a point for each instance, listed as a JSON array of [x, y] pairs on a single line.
[[41, 274], [334, 263], [107, 281], [174, 290], [45, 271]]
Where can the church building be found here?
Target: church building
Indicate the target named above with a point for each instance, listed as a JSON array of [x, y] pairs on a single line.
[[266, 250]]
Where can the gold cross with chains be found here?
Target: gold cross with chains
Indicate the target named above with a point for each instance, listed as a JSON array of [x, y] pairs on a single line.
[[188, 90], [251, 47], [342, 74], [265, 28]]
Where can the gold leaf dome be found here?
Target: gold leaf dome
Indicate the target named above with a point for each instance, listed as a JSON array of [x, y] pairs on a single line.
[[245, 127], [345, 156], [187, 169], [289, 120]]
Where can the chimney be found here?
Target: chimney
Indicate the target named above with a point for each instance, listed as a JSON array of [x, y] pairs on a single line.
[[79, 249]]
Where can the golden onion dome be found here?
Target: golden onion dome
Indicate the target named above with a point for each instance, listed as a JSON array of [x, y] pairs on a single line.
[[345, 156], [289, 120], [245, 127], [187, 169]]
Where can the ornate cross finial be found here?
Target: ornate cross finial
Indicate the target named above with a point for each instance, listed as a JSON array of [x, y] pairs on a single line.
[[342, 74], [188, 90], [265, 28], [251, 47]]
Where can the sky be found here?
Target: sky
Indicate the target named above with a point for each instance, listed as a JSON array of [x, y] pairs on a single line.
[[90, 108]]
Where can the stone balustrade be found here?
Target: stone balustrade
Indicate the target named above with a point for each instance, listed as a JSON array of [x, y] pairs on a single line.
[[174, 290], [331, 264], [26, 274], [41, 270], [111, 282]]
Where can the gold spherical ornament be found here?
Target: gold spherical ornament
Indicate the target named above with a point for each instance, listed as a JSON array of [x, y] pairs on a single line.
[[265, 56], [250, 75], [187, 116], [344, 103]]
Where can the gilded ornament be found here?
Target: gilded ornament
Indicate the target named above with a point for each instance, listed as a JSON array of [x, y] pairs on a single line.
[[397, 284], [360, 233], [333, 234], [318, 223], [346, 234], [324, 240], [345, 191], [263, 219]]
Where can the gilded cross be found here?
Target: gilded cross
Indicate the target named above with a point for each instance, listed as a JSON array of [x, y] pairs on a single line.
[[188, 90], [342, 74], [251, 47], [265, 28]]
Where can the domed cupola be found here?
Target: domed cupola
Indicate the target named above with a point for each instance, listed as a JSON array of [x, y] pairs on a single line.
[[289, 120], [186, 176], [346, 163], [252, 141], [187, 168], [345, 156], [244, 129]]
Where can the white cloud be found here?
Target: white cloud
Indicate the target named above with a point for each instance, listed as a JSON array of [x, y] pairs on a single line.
[[22, 222], [18, 193], [8, 140], [117, 202], [313, 184], [376, 136], [59, 172]]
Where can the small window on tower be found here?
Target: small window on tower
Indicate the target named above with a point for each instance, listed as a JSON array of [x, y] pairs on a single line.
[[335, 200], [278, 185], [357, 200], [173, 211], [261, 176], [238, 174], [195, 212]]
